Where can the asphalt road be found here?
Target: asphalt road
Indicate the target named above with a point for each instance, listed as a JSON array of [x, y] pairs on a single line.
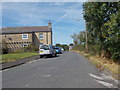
[[68, 70]]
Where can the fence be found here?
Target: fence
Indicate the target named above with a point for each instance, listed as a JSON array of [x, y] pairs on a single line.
[[14, 46]]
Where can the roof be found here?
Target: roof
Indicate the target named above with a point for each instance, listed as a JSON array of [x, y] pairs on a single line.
[[12, 30]]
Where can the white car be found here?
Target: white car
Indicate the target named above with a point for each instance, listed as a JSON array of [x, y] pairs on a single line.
[[47, 50]]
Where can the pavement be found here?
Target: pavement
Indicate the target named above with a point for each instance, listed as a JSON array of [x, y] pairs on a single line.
[[68, 70], [18, 62]]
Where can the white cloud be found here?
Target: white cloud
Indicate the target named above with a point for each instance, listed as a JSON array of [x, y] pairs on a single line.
[[34, 13]]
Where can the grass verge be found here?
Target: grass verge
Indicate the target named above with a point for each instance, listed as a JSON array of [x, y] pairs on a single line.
[[103, 63], [15, 56]]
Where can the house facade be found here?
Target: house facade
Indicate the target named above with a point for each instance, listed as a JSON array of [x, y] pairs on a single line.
[[17, 37]]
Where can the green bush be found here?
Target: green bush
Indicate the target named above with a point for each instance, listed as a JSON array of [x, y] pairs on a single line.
[[94, 49], [30, 48], [79, 47], [65, 46], [5, 49], [114, 49]]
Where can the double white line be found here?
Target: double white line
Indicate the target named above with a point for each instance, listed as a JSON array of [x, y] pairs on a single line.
[[104, 77]]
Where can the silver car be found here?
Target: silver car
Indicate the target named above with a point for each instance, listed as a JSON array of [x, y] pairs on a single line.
[[47, 50]]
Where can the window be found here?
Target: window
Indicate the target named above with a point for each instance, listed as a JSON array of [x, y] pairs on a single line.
[[41, 36], [25, 45], [24, 36], [45, 47], [41, 43]]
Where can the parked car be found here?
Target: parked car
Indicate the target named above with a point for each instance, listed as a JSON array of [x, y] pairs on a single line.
[[62, 49], [47, 50], [58, 50]]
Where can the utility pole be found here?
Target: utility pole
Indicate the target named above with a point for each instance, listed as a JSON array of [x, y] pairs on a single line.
[[86, 45], [86, 38]]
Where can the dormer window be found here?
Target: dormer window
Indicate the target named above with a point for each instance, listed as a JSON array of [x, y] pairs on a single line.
[[24, 36]]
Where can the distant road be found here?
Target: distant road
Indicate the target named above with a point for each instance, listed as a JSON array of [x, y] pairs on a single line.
[[68, 70]]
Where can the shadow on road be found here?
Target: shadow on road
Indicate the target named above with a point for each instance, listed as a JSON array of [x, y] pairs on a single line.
[[46, 57]]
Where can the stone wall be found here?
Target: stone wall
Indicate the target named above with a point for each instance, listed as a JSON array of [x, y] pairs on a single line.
[[15, 41]]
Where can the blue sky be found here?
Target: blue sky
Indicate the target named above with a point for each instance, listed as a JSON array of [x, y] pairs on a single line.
[[63, 15]]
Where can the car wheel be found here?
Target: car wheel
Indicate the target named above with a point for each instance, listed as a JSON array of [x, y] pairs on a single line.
[[41, 56], [55, 54], [51, 55]]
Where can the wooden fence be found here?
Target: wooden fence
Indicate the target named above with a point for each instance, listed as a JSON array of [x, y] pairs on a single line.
[[14, 46]]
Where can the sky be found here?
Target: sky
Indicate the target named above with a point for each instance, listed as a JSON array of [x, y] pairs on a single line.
[[66, 17]]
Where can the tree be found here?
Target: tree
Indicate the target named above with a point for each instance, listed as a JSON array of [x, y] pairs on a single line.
[[65, 46], [71, 44], [81, 37], [58, 45], [103, 26], [75, 38]]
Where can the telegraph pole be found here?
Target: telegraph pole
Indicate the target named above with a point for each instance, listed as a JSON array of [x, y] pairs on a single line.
[[86, 38], [86, 45]]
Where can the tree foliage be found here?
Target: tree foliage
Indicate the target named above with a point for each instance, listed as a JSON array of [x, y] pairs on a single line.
[[64, 46], [5, 49], [103, 28]]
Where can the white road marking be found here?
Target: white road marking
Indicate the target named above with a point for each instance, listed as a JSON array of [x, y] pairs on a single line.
[[106, 84], [103, 77], [108, 77], [95, 76], [46, 75], [26, 85]]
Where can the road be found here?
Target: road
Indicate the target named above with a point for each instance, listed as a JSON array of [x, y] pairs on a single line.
[[68, 70]]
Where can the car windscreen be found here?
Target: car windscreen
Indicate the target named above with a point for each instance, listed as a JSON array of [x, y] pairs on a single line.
[[45, 47], [56, 48]]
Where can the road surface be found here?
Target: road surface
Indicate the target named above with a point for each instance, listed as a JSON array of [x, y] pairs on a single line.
[[68, 70]]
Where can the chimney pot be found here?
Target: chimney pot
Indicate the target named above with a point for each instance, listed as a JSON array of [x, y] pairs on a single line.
[[49, 24]]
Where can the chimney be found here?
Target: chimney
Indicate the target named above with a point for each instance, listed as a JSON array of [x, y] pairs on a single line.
[[49, 24]]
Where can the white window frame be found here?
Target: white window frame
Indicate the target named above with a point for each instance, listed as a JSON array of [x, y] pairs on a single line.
[[23, 36], [39, 36]]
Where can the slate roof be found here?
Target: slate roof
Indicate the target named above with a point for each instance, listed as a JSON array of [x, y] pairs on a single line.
[[13, 30]]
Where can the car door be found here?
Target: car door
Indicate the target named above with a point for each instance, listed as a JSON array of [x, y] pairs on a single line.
[[53, 50]]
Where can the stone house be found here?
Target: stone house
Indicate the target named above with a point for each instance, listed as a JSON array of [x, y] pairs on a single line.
[[17, 37]]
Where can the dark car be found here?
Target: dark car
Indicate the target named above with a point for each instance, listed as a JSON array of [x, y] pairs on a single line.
[[58, 50]]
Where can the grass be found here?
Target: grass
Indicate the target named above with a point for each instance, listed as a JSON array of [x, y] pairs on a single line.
[[103, 63], [15, 56]]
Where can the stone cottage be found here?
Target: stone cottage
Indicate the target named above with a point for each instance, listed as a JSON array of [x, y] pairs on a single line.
[[17, 37]]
